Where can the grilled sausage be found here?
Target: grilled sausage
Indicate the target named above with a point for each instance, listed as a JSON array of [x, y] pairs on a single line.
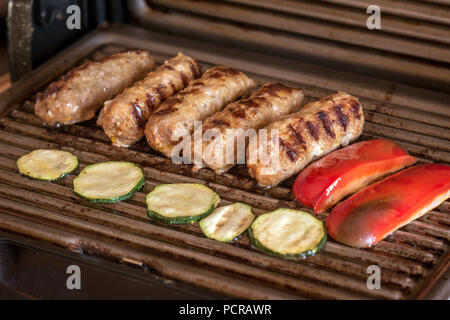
[[77, 95], [319, 128], [266, 105], [200, 99], [123, 119]]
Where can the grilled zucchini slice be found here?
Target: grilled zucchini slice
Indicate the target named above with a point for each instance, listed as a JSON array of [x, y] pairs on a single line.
[[181, 203], [108, 181], [227, 223], [288, 233], [47, 165]]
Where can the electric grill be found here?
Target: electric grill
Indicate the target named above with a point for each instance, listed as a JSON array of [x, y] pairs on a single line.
[[401, 75]]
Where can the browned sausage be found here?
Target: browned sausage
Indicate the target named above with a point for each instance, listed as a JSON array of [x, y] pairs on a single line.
[[266, 105], [200, 99], [78, 95], [124, 117], [319, 128]]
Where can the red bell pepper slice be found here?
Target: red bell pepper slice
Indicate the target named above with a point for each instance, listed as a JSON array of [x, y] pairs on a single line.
[[378, 210], [345, 171]]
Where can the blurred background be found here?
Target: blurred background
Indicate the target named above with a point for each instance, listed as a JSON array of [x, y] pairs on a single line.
[[3, 54], [412, 46]]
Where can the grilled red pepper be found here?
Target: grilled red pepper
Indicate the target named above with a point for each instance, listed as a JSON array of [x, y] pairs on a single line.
[[373, 213], [345, 171]]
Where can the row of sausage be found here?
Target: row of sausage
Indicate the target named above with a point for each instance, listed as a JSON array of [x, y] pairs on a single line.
[[165, 103]]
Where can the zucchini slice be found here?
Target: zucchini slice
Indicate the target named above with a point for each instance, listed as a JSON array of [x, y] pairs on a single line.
[[181, 203], [108, 181], [227, 223], [47, 165], [288, 233]]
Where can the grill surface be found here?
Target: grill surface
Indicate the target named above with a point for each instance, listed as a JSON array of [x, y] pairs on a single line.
[[411, 259]]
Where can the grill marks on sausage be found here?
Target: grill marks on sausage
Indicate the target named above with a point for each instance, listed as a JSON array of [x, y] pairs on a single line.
[[198, 84], [250, 103], [168, 106], [51, 89], [254, 102], [356, 107], [161, 91], [195, 68], [227, 70], [312, 130], [297, 135], [239, 113], [219, 122], [184, 78], [273, 89], [293, 145], [136, 112], [172, 102], [215, 75], [168, 67], [220, 72], [288, 149], [165, 111], [342, 117], [188, 92], [326, 123], [239, 110], [259, 99], [150, 101]]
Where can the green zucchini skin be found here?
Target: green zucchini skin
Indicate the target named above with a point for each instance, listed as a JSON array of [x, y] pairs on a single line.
[[116, 199], [229, 241], [64, 175], [180, 220], [258, 245]]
